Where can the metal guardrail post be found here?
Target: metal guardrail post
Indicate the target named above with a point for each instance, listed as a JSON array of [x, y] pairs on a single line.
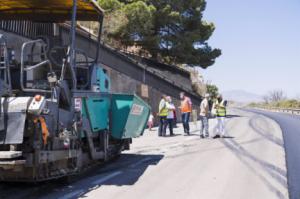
[[283, 110]]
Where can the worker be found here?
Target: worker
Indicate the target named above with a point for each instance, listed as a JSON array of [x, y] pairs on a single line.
[[220, 106], [186, 109], [150, 121], [162, 113], [170, 117], [175, 119], [204, 115]]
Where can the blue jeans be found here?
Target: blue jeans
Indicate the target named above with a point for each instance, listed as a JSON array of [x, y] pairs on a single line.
[[204, 125], [170, 124], [185, 117], [163, 123]]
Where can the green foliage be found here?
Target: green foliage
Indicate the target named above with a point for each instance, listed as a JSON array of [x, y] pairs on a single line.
[[253, 104], [290, 103], [212, 90], [139, 21], [277, 99], [287, 104], [110, 5], [173, 30]]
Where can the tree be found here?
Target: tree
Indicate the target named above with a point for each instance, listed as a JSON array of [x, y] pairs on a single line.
[[110, 5], [276, 95], [212, 90], [266, 99], [171, 29]]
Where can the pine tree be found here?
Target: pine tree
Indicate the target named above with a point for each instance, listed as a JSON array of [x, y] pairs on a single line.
[[171, 29]]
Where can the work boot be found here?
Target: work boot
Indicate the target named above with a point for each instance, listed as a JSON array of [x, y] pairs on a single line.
[[216, 136], [202, 136]]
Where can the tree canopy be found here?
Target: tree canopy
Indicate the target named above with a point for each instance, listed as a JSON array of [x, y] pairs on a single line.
[[173, 30], [212, 90]]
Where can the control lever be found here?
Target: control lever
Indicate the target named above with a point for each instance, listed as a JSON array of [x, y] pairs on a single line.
[[52, 78]]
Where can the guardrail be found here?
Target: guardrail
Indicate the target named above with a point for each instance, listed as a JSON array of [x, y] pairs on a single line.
[[281, 110]]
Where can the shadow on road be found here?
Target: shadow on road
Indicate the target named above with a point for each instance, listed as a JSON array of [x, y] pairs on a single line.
[[233, 116], [224, 137], [126, 170]]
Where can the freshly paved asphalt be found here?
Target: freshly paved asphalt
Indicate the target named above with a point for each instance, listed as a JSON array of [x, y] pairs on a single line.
[[290, 126]]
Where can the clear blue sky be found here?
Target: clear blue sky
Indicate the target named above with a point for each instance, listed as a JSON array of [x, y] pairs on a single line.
[[260, 40]]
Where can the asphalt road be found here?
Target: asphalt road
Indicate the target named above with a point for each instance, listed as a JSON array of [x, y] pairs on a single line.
[[290, 125], [250, 165]]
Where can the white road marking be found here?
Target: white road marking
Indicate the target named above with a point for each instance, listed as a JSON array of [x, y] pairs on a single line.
[[139, 162], [75, 194], [101, 180], [72, 194]]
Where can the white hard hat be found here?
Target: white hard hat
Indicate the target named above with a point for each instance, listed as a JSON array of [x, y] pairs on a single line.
[[206, 95]]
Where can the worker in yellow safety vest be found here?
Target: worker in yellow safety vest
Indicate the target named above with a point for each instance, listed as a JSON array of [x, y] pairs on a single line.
[[220, 106], [163, 113]]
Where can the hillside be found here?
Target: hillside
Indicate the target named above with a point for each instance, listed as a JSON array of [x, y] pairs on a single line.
[[241, 96]]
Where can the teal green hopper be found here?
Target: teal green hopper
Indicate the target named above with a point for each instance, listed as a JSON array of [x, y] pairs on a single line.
[[129, 116]]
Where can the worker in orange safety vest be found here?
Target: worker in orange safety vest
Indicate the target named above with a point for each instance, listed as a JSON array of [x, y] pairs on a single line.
[[186, 109]]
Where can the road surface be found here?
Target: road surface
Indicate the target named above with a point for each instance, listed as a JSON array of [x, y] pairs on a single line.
[[251, 165], [290, 125]]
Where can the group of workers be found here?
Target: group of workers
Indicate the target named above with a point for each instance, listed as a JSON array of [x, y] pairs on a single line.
[[218, 109], [167, 115]]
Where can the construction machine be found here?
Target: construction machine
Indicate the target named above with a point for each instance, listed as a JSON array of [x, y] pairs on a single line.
[[58, 116]]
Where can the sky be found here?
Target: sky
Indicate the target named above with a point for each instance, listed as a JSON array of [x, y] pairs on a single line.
[[260, 43]]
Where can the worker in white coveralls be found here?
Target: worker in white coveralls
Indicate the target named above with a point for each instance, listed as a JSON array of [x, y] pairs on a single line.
[[220, 106], [170, 117]]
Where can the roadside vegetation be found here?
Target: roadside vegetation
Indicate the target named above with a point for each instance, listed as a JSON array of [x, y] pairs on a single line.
[[277, 99], [212, 90]]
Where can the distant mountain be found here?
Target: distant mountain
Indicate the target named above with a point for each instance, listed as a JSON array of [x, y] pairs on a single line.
[[241, 96]]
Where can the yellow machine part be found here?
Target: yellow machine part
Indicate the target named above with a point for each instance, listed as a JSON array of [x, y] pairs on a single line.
[[49, 10]]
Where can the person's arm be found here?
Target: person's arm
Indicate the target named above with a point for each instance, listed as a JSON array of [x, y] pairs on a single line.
[[170, 106], [201, 105], [225, 103], [206, 105], [179, 107], [161, 106], [190, 103], [216, 105]]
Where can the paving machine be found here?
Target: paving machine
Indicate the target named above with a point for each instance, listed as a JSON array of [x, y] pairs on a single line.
[[57, 114]]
